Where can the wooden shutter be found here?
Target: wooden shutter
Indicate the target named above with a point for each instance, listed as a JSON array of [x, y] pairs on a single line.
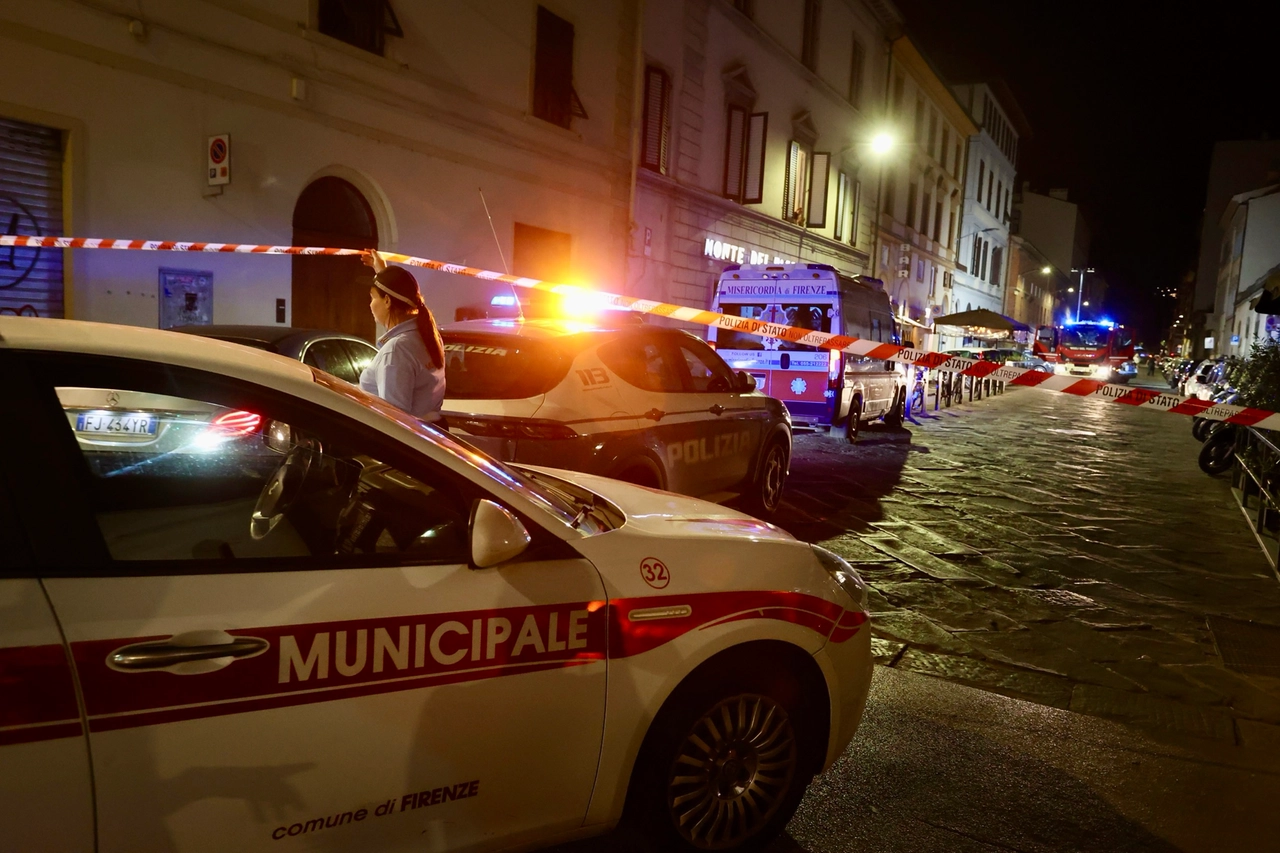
[[757, 131], [735, 140], [657, 122], [553, 69], [31, 204], [842, 204], [791, 184], [854, 210], [819, 179]]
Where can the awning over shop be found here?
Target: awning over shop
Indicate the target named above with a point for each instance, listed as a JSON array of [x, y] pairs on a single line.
[[981, 318]]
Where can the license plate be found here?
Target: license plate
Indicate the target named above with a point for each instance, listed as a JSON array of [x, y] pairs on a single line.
[[116, 423]]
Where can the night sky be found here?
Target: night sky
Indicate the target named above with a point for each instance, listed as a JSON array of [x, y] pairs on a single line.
[[1124, 111]]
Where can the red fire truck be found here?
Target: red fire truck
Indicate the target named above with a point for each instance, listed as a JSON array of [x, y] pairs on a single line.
[[1094, 349]]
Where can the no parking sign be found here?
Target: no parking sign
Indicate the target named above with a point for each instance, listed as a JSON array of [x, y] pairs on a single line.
[[220, 159]]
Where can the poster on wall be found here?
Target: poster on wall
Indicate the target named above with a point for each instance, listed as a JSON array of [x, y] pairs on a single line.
[[186, 298]]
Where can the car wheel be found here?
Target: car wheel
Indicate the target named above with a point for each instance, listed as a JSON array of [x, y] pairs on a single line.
[[896, 415], [723, 768], [770, 480], [854, 422]]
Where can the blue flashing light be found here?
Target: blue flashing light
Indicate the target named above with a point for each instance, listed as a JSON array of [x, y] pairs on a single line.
[[505, 300]]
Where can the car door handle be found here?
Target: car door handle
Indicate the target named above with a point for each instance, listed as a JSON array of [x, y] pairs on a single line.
[[717, 409], [142, 657], [655, 414]]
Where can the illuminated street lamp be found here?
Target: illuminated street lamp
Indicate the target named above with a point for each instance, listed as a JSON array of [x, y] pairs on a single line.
[[1046, 270], [882, 144]]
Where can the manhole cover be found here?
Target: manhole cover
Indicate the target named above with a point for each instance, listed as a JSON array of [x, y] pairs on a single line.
[[1247, 646]]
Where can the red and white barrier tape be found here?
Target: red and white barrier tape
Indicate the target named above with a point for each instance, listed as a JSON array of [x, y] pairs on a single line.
[[1121, 394]]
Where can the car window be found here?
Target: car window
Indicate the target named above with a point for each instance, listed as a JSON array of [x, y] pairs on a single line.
[[704, 370], [643, 362], [360, 354], [330, 355], [216, 474], [500, 367]]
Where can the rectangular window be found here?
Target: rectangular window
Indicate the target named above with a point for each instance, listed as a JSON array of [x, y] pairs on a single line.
[[999, 197], [976, 260], [918, 130], [983, 274], [363, 25], [553, 96], [753, 180], [735, 152], [899, 94], [797, 178], [937, 221], [997, 258], [819, 180], [920, 269], [990, 178], [925, 207], [982, 176], [656, 122], [812, 20], [945, 148], [956, 171], [855, 73], [890, 194], [912, 192], [933, 132]]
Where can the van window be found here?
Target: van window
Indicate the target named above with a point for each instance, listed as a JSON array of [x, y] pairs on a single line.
[[805, 315]]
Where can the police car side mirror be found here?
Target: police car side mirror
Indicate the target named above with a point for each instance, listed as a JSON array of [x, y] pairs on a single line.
[[745, 382], [496, 535]]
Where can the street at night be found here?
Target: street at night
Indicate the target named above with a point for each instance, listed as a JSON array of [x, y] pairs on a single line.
[[639, 426]]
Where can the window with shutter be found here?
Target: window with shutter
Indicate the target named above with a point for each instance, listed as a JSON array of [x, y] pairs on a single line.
[[753, 182], [656, 123], [839, 230], [819, 181], [31, 158], [361, 24], [553, 95], [809, 45], [854, 209], [793, 196]]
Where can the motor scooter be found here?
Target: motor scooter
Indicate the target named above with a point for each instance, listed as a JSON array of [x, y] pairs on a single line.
[[1200, 426]]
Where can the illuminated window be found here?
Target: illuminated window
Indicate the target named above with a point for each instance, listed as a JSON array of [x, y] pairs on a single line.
[[797, 179]]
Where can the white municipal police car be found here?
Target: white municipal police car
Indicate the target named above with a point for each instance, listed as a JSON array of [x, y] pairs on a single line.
[[244, 606], [652, 406]]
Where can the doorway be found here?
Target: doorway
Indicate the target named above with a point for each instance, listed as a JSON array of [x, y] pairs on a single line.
[[329, 292]]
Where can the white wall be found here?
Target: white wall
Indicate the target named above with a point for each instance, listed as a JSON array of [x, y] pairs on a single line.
[[446, 112]]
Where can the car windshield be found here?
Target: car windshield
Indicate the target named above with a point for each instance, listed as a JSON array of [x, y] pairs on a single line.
[[503, 476], [813, 316], [1085, 336], [500, 367]]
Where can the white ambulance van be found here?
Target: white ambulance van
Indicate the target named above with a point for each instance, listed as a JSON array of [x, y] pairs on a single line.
[[820, 387]]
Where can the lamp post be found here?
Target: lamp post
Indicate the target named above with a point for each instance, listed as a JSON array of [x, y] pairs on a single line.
[[1080, 292]]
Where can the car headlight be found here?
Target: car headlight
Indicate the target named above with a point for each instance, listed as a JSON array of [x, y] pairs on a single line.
[[843, 574], [1103, 372]]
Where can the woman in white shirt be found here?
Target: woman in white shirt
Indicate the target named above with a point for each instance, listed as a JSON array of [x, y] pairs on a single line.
[[408, 371]]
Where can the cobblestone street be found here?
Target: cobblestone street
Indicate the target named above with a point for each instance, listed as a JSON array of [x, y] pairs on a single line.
[[1054, 549]]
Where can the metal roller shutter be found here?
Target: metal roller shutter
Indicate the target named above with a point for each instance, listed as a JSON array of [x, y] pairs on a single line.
[[30, 203]]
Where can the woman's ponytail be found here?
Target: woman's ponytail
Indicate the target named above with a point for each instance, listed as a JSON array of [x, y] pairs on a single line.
[[430, 333]]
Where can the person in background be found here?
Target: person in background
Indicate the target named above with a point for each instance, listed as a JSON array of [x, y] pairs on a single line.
[[408, 371]]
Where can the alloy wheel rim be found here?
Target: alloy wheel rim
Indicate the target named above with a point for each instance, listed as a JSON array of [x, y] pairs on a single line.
[[773, 472], [732, 772]]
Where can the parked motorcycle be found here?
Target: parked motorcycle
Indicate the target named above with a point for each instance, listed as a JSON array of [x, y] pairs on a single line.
[[1219, 451], [1200, 426]]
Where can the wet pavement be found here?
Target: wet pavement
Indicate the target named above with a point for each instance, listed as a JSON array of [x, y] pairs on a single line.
[[1061, 550], [1044, 574]]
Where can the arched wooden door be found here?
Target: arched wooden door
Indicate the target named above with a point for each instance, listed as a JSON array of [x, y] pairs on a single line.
[[329, 292]]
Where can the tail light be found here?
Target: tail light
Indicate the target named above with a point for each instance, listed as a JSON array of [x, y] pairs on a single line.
[[833, 364], [236, 423], [513, 428]]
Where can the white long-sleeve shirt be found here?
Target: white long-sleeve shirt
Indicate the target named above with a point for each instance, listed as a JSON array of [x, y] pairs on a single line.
[[402, 374]]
